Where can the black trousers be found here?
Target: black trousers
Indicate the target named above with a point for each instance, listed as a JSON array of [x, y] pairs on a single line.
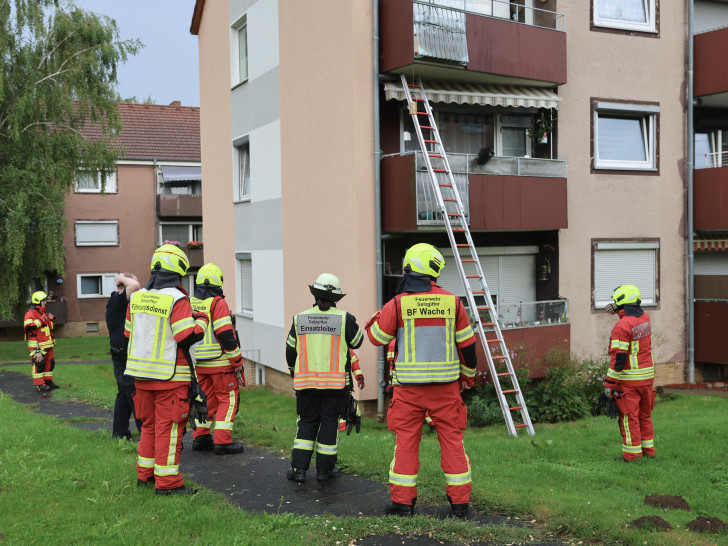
[[318, 428], [124, 405]]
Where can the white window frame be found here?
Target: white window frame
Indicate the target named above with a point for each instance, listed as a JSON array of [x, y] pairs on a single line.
[[647, 115], [190, 230], [650, 25], [242, 169], [237, 75], [111, 186], [244, 262], [96, 222], [624, 262], [106, 282]]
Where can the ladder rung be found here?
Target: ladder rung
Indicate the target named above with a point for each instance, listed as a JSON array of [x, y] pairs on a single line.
[[450, 200], [488, 323], [461, 245], [510, 391], [440, 170], [457, 214], [423, 113], [472, 276], [501, 357], [418, 99], [502, 374], [521, 426], [432, 155], [413, 85], [431, 141], [514, 408], [459, 230], [445, 185]]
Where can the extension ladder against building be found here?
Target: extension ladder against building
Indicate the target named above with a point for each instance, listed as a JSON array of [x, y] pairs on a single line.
[[478, 298]]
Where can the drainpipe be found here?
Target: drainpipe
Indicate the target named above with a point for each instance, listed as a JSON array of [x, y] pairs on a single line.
[[377, 203], [156, 208], [691, 167]]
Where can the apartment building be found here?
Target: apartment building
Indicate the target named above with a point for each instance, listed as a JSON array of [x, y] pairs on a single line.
[[708, 187], [565, 127], [154, 195]]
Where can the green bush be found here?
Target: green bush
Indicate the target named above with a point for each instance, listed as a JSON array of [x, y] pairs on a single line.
[[570, 389]]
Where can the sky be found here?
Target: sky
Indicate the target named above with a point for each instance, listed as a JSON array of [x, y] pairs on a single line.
[[167, 68]]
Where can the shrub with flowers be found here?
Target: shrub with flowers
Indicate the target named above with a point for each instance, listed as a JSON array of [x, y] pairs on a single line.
[[168, 242], [194, 244]]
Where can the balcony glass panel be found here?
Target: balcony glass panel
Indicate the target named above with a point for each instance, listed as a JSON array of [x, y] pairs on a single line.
[[530, 314], [440, 33]]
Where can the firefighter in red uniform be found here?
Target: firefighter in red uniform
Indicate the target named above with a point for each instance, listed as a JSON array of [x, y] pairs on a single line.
[[38, 326], [435, 360], [219, 365], [318, 357], [631, 373], [161, 326]]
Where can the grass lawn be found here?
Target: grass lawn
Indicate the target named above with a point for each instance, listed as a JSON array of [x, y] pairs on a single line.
[[67, 348], [564, 479]]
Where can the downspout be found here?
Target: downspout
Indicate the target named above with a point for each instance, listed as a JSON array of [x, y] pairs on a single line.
[[691, 167], [156, 208], [377, 203]]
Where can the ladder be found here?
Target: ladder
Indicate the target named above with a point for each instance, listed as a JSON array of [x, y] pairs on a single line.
[[478, 298]]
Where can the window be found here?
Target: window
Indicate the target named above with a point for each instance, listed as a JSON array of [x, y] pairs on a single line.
[[180, 233], [97, 232], [242, 177], [90, 182], [240, 51], [618, 263], [510, 273], [711, 149], [467, 132], [245, 268], [634, 15], [625, 136], [98, 285]]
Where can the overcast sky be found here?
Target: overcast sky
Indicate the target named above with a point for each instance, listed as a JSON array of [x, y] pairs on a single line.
[[167, 68]]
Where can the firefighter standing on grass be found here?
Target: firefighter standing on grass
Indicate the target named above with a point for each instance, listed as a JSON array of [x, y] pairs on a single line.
[[219, 365], [631, 373], [161, 325], [318, 357], [38, 325], [435, 360]]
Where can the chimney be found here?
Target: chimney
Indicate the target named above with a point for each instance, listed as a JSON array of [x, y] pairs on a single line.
[[175, 103]]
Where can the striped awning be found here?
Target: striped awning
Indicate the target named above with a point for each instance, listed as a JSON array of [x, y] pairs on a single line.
[[472, 93], [718, 243]]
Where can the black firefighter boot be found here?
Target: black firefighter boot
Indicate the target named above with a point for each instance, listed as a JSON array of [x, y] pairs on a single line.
[[399, 509], [228, 449], [51, 385], [203, 442]]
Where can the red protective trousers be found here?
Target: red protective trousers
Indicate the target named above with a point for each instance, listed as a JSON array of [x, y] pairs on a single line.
[[163, 414], [635, 419], [407, 410], [42, 371], [222, 392]]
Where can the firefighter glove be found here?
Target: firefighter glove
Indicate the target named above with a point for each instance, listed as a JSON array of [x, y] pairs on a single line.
[[360, 381], [37, 356], [353, 417], [610, 308], [198, 405], [240, 376], [612, 411]]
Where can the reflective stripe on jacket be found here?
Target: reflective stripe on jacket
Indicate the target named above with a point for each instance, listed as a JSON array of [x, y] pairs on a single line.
[[632, 335], [429, 327], [322, 349], [152, 352], [208, 351]]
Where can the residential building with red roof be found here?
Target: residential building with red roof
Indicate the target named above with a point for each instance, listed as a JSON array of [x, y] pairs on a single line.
[[154, 195]]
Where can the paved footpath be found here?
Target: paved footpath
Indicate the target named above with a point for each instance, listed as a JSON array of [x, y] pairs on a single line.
[[239, 477]]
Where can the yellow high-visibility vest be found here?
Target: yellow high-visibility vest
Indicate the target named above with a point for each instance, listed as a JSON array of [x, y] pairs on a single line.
[[152, 352], [322, 349], [427, 353], [208, 351]]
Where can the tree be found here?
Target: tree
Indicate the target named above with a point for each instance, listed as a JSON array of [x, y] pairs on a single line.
[[134, 100], [58, 72]]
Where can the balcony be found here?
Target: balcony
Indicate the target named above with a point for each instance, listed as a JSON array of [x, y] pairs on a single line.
[[507, 193], [179, 205], [710, 81], [711, 316], [710, 197], [504, 42]]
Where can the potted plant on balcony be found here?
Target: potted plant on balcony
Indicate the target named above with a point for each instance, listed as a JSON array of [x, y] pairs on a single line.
[[175, 243], [193, 244], [542, 127]]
